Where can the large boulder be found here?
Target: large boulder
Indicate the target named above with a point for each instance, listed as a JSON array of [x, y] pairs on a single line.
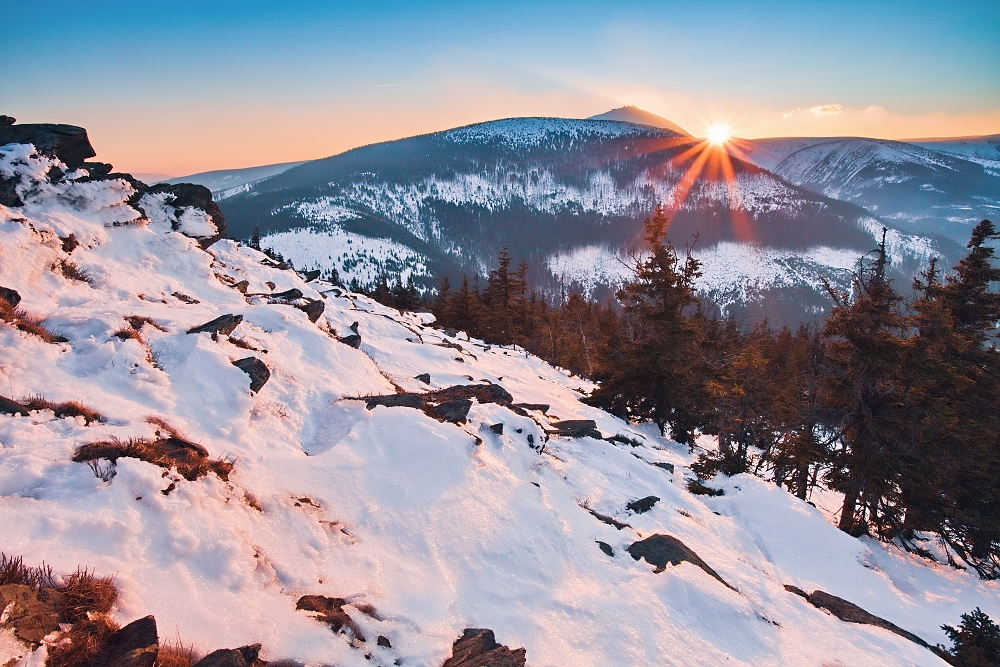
[[69, 143], [224, 324], [478, 647]]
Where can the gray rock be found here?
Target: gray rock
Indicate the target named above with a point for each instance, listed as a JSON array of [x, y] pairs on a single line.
[[660, 550], [424, 377], [540, 407], [643, 505], [396, 401], [223, 657], [69, 143], [312, 309], [479, 648], [455, 411], [497, 428], [256, 369], [309, 276], [289, 295], [354, 340], [577, 428], [224, 324], [606, 548], [135, 645], [852, 613], [10, 296], [9, 407], [669, 467]]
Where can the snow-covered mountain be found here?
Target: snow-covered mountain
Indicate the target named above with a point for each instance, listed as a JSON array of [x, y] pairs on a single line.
[[914, 188], [412, 519], [633, 114], [228, 182], [555, 191]]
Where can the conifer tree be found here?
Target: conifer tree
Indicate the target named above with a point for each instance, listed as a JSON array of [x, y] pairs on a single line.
[[866, 352], [657, 371]]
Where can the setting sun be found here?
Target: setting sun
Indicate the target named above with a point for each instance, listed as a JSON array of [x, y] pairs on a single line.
[[718, 134]]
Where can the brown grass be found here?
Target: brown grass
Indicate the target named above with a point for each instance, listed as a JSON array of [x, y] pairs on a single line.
[[14, 571], [137, 322], [126, 333], [27, 323], [65, 409], [191, 460], [173, 653], [85, 640], [73, 272], [252, 501]]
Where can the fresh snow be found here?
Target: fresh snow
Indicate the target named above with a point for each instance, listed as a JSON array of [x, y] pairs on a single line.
[[405, 513], [352, 255]]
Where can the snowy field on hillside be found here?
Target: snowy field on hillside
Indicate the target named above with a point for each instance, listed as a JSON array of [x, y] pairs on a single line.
[[438, 526]]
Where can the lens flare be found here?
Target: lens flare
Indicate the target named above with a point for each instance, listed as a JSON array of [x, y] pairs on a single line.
[[718, 134]]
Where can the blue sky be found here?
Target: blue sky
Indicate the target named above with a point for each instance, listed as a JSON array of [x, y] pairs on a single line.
[[180, 87]]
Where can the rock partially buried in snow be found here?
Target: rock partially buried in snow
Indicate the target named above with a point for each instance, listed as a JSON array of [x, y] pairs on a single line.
[[224, 324], [313, 309], [852, 613], [456, 411], [423, 377], [643, 505], [660, 550], [330, 611], [190, 210], [10, 296], [135, 645], [256, 369], [451, 404], [245, 656], [479, 648], [354, 340], [9, 407], [577, 428]]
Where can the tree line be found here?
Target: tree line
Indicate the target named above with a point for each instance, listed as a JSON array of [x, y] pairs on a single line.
[[893, 402]]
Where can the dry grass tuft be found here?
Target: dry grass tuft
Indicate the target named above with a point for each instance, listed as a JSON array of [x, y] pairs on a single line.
[[81, 646], [14, 571], [191, 460], [27, 323], [173, 653], [73, 272], [252, 501], [137, 322], [126, 333], [65, 409], [87, 593]]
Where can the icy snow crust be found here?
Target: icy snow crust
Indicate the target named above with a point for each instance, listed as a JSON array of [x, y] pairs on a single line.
[[405, 513]]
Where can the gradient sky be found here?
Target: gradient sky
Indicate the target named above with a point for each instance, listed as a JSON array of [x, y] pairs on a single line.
[[182, 87]]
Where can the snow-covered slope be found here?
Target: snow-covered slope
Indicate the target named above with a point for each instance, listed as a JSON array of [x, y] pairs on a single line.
[[424, 527], [633, 114], [922, 189], [228, 182]]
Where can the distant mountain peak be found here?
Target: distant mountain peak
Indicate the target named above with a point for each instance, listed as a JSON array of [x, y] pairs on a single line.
[[633, 114]]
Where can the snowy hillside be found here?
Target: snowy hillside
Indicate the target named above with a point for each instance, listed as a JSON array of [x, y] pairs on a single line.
[[421, 520]]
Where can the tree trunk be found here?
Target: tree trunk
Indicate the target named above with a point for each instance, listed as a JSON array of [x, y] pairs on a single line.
[[847, 513]]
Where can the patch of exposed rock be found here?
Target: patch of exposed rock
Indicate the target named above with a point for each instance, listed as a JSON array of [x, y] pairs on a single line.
[[478, 647], [662, 550]]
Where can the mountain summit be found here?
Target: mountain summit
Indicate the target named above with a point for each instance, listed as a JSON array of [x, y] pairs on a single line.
[[633, 114]]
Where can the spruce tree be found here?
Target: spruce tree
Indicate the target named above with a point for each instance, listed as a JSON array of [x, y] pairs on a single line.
[[656, 370]]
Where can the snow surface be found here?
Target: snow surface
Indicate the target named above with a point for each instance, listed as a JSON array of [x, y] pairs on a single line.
[[405, 513], [352, 255]]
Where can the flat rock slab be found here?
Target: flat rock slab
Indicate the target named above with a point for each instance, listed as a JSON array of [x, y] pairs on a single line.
[[31, 613], [224, 324], [478, 647], [660, 550], [69, 143], [577, 428], [451, 404], [852, 613], [256, 369]]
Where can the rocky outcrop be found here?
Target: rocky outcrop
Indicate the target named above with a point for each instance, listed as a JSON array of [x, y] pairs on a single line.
[[660, 550], [256, 369], [69, 143], [479, 648], [191, 195]]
